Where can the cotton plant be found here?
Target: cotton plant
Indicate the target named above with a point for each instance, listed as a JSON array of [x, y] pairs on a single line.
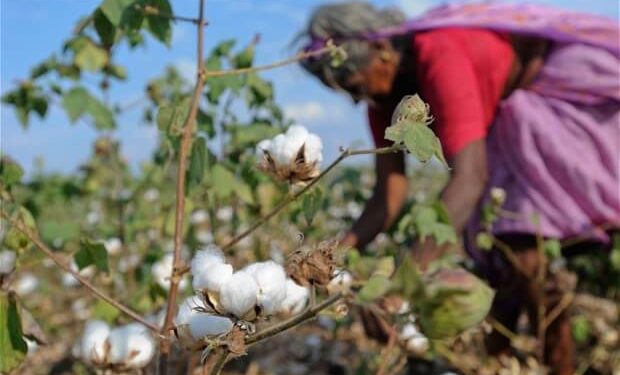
[[124, 347], [294, 156]]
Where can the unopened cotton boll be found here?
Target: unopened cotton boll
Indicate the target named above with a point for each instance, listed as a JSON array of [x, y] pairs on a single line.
[[340, 283], [93, 348], [296, 298], [271, 280], [162, 271], [212, 277], [201, 324], [113, 245], [238, 295], [26, 284], [131, 345], [7, 261]]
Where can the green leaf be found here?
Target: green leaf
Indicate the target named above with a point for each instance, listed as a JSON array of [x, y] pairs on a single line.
[[91, 57], [14, 239], [553, 248], [197, 164], [244, 192], [223, 48], [75, 102], [311, 204], [160, 26], [10, 172], [614, 256], [13, 348], [407, 280], [205, 123], [581, 329], [377, 286], [113, 10], [105, 29], [420, 142], [101, 114], [250, 135], [170, 117], [92, 253], [261, 91], [223, 181]]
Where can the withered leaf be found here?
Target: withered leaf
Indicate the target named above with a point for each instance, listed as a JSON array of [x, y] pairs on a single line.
[[313, 266], [236, 342]]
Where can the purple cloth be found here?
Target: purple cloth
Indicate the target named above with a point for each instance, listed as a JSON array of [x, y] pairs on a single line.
[[555, 148]]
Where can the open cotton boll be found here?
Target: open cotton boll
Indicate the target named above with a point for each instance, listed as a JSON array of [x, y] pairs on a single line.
[[340, 283], [7, 261], [271, 280], [162, 270], [212, 277], [296, 298], [313, 149], [69, 281], [26, 284], [415, 341], [201, 324], [93, 348], [262, 147], [131, 345], [208, 255], [238, 295], [113, 245]]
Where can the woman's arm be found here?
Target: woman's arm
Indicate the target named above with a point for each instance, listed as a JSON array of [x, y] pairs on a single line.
[[384, 206], [460, 196]]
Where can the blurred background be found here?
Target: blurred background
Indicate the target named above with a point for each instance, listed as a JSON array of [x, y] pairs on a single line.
[[32, 30]]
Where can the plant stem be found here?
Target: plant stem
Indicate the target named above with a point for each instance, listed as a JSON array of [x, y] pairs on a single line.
[[291, 198], [291, 60], [154, 11], [67, 268], [186, 140]]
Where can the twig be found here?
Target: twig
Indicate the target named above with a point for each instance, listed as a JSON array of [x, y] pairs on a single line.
[[541, 275], [502, 329], [291, 198], [186, 140], [510, 255], [566, 300], [67, 268], [277, 328], [291, 60], [385, 353]]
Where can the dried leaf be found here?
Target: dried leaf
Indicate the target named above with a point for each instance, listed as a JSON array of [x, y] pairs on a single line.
[[313, 266], [236, 342]]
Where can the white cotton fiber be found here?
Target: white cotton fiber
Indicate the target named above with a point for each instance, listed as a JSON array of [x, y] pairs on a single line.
[[7, 261], [212, 276], [314, 149], [271, 280], [340, 283], [113, 245], [93, 343], [131, 345], [296, 298], [238, 295], [162, 270], [26, 284], [206, 256], [201, 324]]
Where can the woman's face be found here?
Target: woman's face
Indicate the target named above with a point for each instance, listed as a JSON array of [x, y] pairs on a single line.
[[376, 79]]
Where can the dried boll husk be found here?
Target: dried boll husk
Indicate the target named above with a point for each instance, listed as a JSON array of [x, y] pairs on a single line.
[[312, 266], [454, 301]]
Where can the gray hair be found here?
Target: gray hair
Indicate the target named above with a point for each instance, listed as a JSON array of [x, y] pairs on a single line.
[[343, 21]]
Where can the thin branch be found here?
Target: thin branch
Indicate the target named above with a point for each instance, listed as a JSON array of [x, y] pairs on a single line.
[[186, 140], [510, 255], [278, 328], [67, 268], [566, 300], [291, 198], [291, 60]]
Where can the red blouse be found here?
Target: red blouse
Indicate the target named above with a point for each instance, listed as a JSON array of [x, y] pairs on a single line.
[[461, 74]]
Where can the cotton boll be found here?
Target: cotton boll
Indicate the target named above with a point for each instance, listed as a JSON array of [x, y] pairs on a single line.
[[26, 284], [198, 217], [296, 298], [212, 277], [417, 344], [113, 245], [238, 295], [162, 271], [408, 331], [201, 324], [204, 236], [93, 344], [7, 261], [262, 147], [340, 283], [314, 149], [278, 150], [271, 280], [209, 255], [69, 281], [131, 345], [225, 213]]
